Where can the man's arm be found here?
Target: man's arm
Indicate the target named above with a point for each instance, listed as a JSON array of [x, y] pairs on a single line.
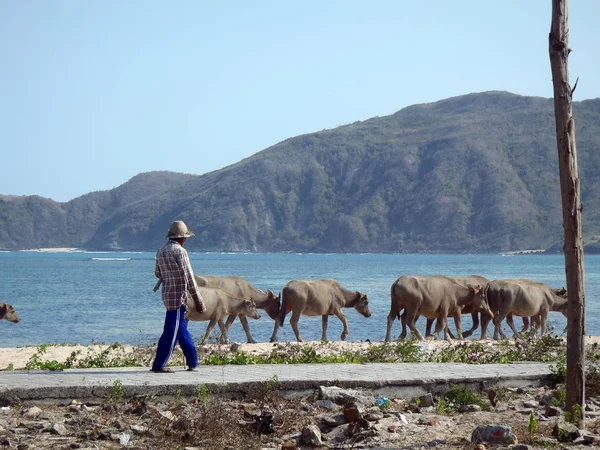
[[191, 283]]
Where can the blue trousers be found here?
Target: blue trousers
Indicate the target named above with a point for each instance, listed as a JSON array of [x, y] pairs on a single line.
[[175, 331]]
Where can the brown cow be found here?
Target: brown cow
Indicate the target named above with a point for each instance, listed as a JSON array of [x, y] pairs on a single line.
[[397, 306], [435, 297], [318, 298], [242, 288], [525, 298], [7, 312], [218, 304]]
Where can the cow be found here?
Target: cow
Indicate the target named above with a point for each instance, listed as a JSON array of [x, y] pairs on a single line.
[[525, 298], [218, 304], [242, 288], [318, 298], [7, 312], [397, 306], [435, 297]]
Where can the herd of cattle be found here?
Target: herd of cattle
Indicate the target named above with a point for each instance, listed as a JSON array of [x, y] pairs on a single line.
[[434, 297]]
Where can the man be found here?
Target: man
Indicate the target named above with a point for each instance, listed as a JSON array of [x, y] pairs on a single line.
[[173, 267]]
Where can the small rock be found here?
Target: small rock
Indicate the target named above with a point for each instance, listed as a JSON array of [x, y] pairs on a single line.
[[234, 347], [333, 420], [429, 421], [530, 404], [425, 400], [139, 429], [392, 428], [519, 447], [373, 414], [591, 438], [565, 431], [288, 445], [327, 404], [182, 424], [60, 429], [32, 413], [553, 411], [311, 435], [351, 412], [469, 408], [343, 396], [496, 434]]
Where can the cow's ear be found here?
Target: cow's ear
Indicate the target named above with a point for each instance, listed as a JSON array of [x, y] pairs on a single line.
[[3, 308]]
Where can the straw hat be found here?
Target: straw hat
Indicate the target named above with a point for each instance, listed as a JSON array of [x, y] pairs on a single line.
[[179, 230]]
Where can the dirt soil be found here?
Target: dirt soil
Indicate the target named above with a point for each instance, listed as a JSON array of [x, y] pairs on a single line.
[[217, 423], [266, 420]]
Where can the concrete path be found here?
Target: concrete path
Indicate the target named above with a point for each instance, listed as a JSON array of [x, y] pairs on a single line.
[[401, 380]]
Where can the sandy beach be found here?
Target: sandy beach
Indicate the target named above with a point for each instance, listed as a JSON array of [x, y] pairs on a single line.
[[17, 358]]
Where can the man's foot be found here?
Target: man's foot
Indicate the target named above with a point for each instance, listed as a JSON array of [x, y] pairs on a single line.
[[192, 369], [162, 370]]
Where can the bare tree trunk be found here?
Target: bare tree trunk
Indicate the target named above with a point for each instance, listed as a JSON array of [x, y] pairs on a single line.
[[571, 207]]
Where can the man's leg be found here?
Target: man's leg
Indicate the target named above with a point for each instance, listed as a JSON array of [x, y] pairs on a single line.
[[186, 342], [167, 341]]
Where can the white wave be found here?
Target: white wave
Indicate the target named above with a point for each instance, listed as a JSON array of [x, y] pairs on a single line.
[[111, 259]]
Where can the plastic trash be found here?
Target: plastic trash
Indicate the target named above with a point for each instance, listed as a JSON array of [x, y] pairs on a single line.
[[124, 440], [382, 401]]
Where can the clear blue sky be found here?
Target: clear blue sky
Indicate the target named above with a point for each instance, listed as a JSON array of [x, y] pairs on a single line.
[[94, 92]]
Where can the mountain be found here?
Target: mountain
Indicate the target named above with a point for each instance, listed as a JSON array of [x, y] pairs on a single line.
[[475, 173]]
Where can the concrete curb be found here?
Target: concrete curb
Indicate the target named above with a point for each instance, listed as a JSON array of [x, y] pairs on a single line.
[[402, 380]]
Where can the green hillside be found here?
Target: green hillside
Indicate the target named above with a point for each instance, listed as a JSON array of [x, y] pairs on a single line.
[[476, 173]]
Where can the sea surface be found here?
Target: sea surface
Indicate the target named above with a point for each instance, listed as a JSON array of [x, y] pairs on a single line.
[[85, 297]]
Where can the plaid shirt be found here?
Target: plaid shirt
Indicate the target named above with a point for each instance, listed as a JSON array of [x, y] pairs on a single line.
[[173, 267]]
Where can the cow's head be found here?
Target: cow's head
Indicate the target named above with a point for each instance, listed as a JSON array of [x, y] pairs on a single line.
[[8, 312], [479, 302], [362, 305], [562, 292], [250, 309], [272, 305]]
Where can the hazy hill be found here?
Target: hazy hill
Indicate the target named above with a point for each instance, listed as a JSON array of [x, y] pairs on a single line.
[[475, 173]]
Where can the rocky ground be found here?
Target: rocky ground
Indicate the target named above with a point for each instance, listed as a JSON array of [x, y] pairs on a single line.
[[332, 418], [265, 419]]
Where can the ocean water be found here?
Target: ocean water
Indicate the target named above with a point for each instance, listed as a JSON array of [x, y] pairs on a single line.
[[85, 297]]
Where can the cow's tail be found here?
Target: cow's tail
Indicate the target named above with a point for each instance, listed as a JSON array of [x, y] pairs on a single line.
[[392, 299], [283, 310]]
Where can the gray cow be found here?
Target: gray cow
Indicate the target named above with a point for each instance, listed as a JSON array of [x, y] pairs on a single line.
[[435, 297], [525, 298], [218, 305], [318, 298], [7, 312], [242, 288]]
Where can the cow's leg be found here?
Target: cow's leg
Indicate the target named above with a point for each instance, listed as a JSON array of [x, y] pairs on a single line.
[[410, 322], [525, 324], [403, 320], [294, 323], [543, 321], [324, 320], [439, 326], [340, 315], [485, 320], [474, 326], [428, 326], [244, 322], [511, 324], [498, 323], [224, 339], [209, 329], [390, 321], [457, 324]]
